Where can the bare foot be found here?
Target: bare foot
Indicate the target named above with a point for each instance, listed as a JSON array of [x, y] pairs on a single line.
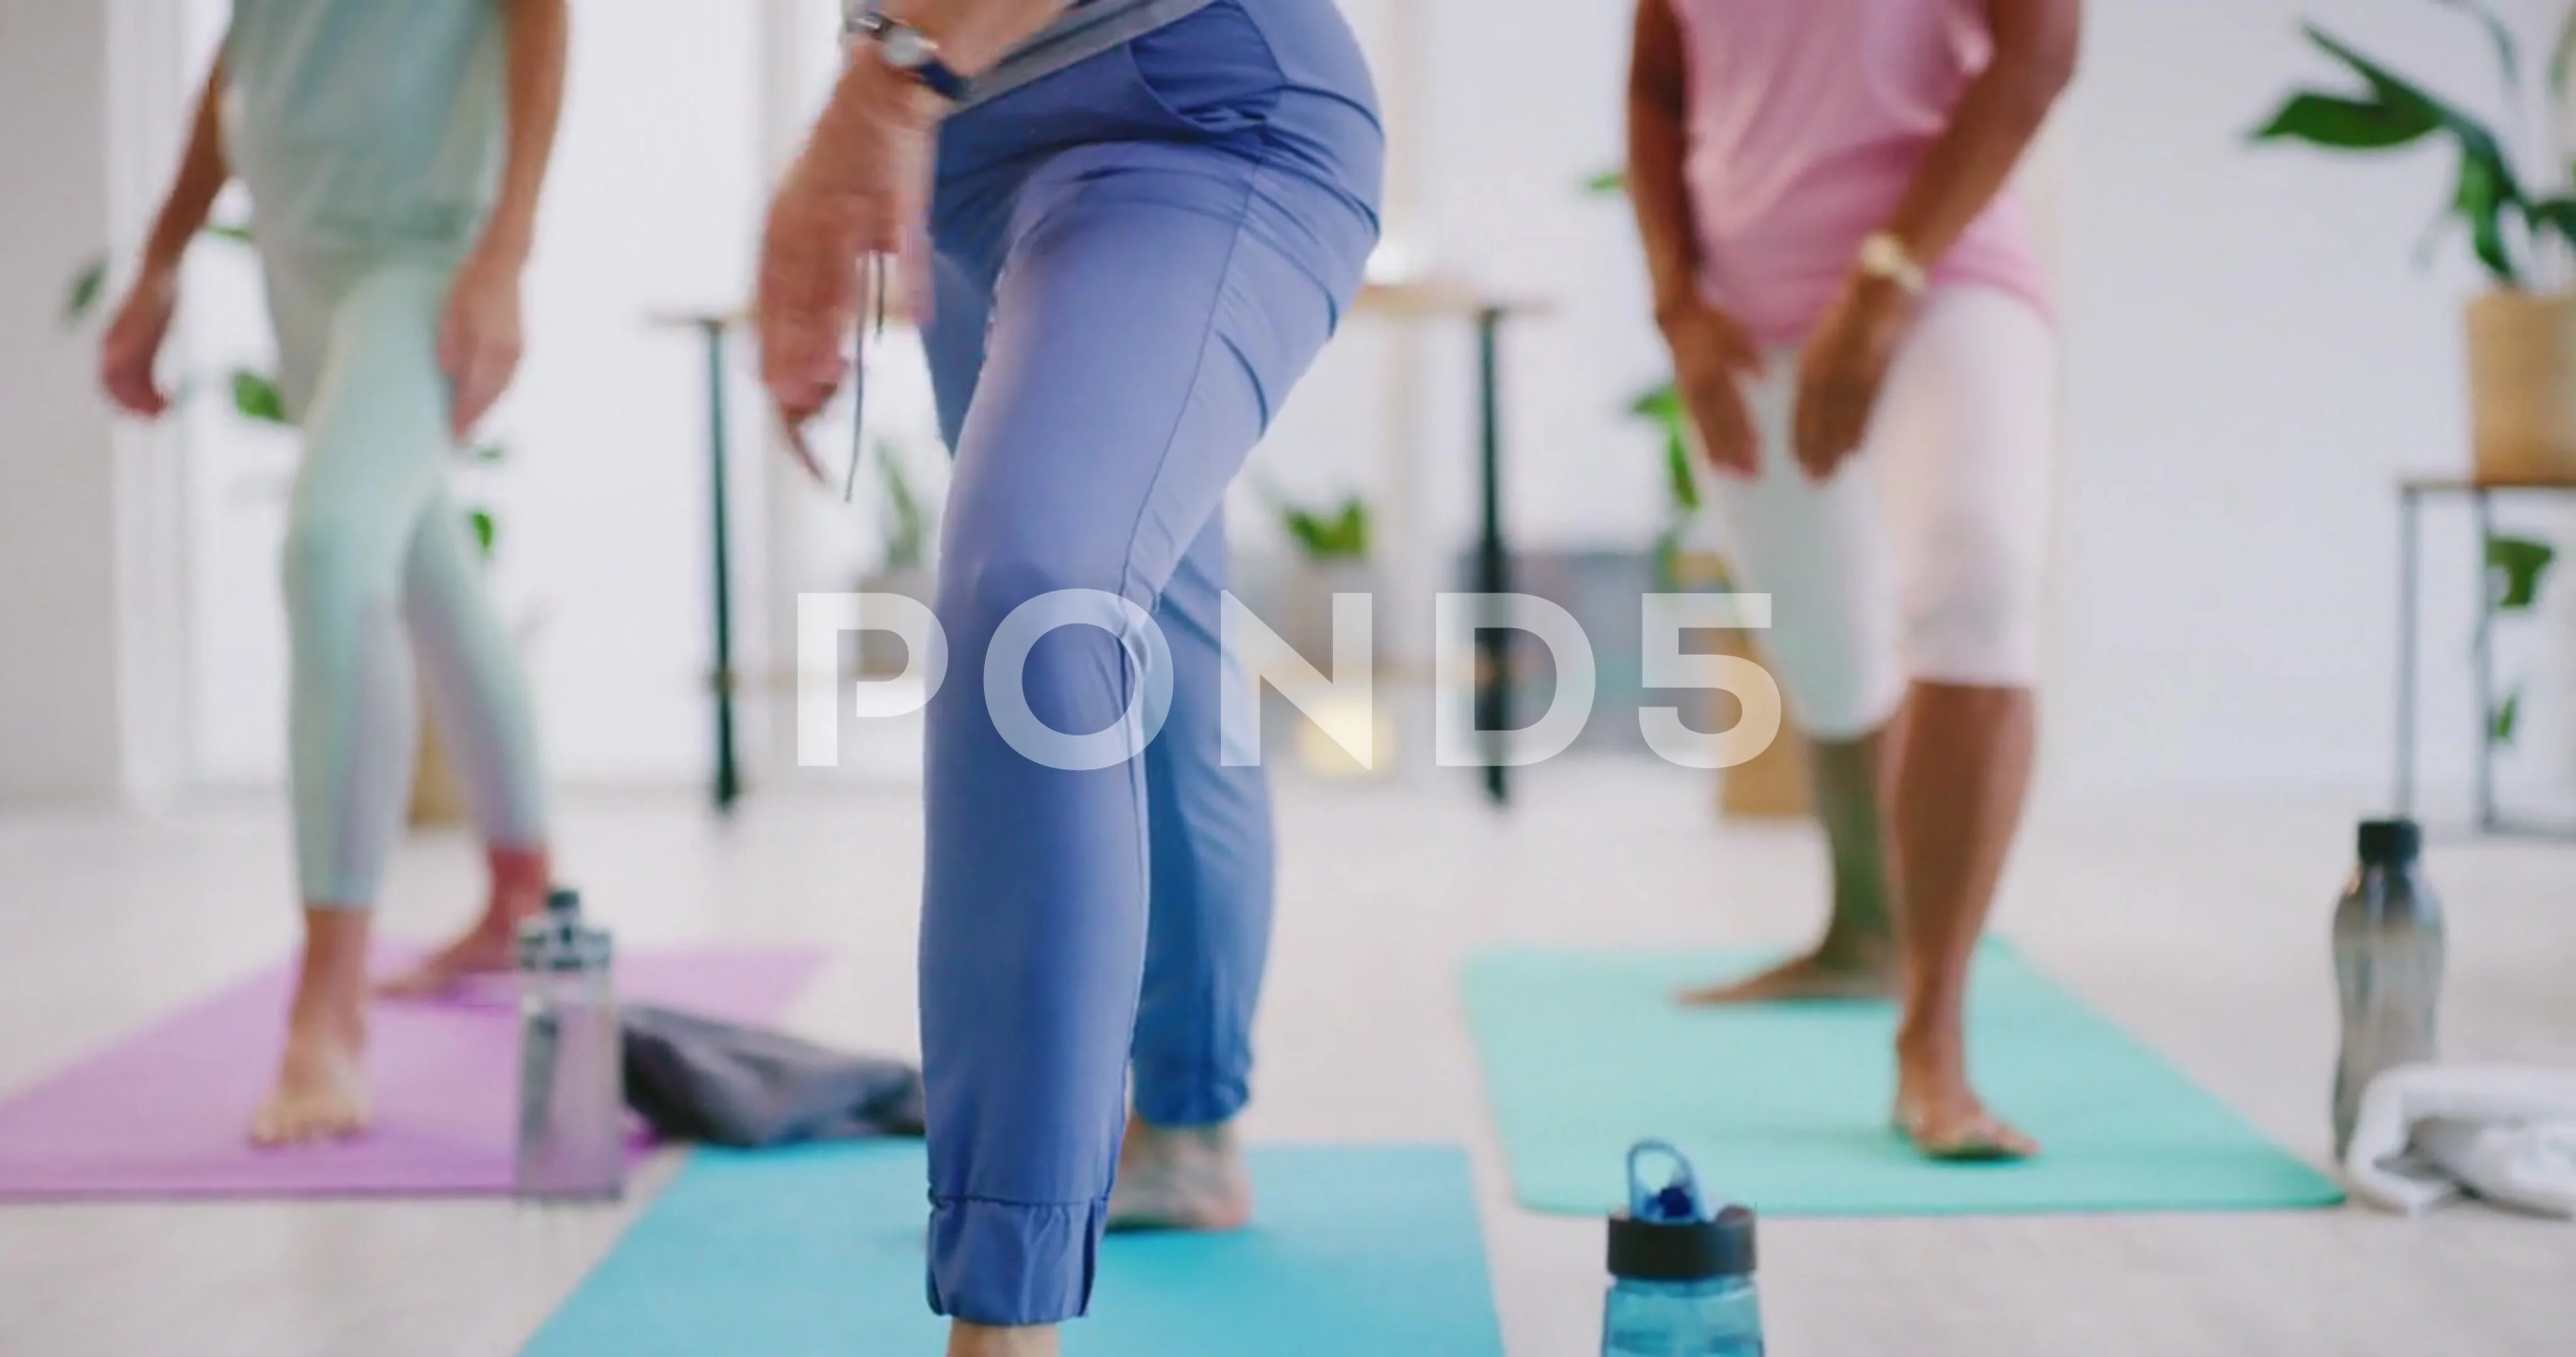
[[976, 1340], [1834, 970], [489, 947], [1942, 1115], [1180, 1178], [521, 879], [321, 1089]]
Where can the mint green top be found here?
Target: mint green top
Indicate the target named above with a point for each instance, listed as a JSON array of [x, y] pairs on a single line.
[[365, 123]]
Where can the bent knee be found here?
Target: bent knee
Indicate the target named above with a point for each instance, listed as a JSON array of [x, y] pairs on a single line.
[[977, 592], [1981, 627], [335, 561]]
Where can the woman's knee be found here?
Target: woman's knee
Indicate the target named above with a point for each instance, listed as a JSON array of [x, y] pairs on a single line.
[[335, 561], [978, 591], [1979, 622]]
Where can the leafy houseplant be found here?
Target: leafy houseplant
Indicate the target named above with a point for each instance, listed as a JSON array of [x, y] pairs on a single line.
[[2522, 334], [1341, 535], [2520, 225]]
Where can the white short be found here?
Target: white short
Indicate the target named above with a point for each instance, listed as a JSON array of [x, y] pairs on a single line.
[[1922, 558]]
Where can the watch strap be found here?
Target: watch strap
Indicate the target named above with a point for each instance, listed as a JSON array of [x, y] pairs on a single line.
[[907, 49]]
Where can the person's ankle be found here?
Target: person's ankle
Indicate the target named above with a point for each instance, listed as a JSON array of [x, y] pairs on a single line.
[[1857, 945], [980, 1340], [522, 878], [1931, 1045]]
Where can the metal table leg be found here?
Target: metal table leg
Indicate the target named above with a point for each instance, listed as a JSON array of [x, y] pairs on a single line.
[[728, 774], [2484, 504], [1493, 564], [2410, 512]]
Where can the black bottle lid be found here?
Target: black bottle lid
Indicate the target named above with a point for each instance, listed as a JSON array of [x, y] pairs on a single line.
[[1682, 1251], [2390, 843]]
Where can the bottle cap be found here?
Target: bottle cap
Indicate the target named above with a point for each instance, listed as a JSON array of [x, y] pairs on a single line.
[[1668, 1235], [1684, 1251], [2390, 843], [557, 941]]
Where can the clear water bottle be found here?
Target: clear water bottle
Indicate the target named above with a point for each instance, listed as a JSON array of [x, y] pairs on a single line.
[[2388, 965], [1681, 1278], [572, 1106]]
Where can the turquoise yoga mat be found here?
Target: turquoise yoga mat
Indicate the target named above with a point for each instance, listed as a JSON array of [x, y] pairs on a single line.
[[817, 1252], [1785, 1106]]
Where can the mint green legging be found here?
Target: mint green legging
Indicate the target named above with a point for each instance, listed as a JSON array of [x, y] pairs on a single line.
[[384, 586]]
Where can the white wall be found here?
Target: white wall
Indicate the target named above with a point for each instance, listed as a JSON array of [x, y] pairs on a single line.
[[87, 615], [2252, 359]]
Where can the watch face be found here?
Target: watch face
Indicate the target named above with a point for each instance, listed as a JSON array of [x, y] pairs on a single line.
[[906, 49]]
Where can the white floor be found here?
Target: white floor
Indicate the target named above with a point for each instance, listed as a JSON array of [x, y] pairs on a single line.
[[2201, 928]]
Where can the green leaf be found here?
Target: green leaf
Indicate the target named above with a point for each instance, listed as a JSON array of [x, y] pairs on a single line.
[[487, 529], [237, 233], [87, 287], [2552, 215], [255, 398], [2515, 568], [1678, 479], [1342, 536], [2505, 720], [1662, 406], [487, 454], [1607, 183], [2486, 184], [2486, 189], [2343, 124]]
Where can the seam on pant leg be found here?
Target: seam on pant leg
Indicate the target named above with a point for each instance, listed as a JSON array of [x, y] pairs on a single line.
[[1211, 338]]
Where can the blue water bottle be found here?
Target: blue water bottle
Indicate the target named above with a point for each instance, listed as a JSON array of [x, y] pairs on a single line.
[[1681, 1279]]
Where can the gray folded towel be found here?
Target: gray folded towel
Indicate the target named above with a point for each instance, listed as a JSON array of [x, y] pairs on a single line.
[[694, 1078]]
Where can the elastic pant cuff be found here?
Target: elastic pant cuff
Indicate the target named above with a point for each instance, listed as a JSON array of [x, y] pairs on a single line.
[[1005, 1264], [1177, 1094]]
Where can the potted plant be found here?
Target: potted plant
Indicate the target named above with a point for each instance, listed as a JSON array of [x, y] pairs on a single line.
[[2522, 331], [1333, 546]]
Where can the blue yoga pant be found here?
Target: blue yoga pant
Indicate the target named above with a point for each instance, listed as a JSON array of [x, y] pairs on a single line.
[[1137, 257], [384, 585]]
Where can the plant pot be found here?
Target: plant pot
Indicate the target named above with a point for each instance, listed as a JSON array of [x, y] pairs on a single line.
[[1309, 623], [881, 653], [437, 801], [2522, 387], [1773, 784]]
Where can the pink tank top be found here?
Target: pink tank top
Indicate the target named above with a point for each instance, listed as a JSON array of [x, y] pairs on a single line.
[[1807, 120]]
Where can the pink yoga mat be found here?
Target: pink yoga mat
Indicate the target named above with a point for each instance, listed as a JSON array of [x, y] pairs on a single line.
[[162, 1114]]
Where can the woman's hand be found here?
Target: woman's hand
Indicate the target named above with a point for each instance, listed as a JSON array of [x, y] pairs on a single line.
[[860, 187], [478, 335], [1711, 357], [1844, 367], [133, 342]]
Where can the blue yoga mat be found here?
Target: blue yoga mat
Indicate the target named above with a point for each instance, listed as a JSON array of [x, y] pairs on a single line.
[[1786, 1106], [817, 1252]]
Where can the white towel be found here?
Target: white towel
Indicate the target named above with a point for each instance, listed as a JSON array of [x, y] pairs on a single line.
[[2426, 1133]]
